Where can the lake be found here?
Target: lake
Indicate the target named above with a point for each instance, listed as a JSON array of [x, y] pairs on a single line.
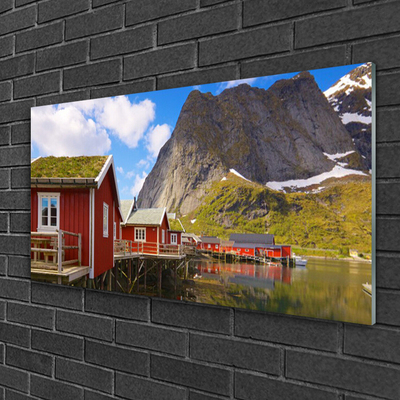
[[325, 288]]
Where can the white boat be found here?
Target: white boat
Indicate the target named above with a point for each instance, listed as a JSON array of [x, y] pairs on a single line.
[[299, 261]]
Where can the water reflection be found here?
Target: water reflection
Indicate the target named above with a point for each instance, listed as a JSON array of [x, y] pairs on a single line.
[[328, 289]]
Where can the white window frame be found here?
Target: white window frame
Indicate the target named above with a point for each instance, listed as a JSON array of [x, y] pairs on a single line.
[[105, 214], [174, 238], [162, 236], [209, 246], [48, 228], [216, 246], [140, 237], [115, 230]]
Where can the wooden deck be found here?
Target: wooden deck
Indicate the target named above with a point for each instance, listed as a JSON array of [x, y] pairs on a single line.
[[47, 271]]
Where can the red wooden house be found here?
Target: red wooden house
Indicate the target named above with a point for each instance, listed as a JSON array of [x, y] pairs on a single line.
[[78, 195], [146, 228], [210, 243], [175, 231]]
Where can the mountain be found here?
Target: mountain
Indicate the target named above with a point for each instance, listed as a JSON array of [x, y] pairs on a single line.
[[350, 97], [289, 131]]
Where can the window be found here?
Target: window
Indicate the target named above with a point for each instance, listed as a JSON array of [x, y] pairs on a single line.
[[115, 230], [216, 246], [105, 220], [209, 246], [163, 236], [174, 238], [247, 250], [140, 234], [49, 211]]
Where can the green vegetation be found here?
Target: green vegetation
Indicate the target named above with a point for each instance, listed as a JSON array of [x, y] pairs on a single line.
[[175, 225], [68, 167], [337, 218]]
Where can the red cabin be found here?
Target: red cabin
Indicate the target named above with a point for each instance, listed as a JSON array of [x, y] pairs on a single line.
[[176, 230], [147, 228], [210, 243], [76, 197]]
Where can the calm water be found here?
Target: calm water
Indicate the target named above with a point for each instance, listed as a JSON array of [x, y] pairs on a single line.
[[326, 289]]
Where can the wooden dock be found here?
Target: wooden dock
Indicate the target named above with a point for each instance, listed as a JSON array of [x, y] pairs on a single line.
[[47, 272]]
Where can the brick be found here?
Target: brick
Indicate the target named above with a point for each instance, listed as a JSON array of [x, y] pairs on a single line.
[[31, 315], [347, 25], [14, 200], [387, 234], [211, 75], [117, 358], [50, 10], [274, 39], [387, 122], [287, 330], [388, 93], [93, 74], [40, 37], [146, 10], [14, 334], [191, 374], [5, 140], [117, 305], [6, 5], [16, 66], [93, 23], [160, 61], [3, 222], [2, 310], [19, 3], [57, 343], [2, 346], [145, 85], [5, 91], [372, 343], [21, 133], [193, 395], [185, 315], [37, 84], [386, 198], [29, 360], [359, 376], [387, 307], [6, 46], [3, 264], [58, 296], [98, 3], [205, 3], [20, 178], [18, 245], [380, 51], [150, 337], [386, 161], [19, 267], [258, 11], [235, 353], [4, 179], [20, 222], [85, 375], [51, 389], [13, 395], [387, 272], [134, 388], [124, 42], [85, 325], [14, 289], [251, 387], [198, 24], [306, 60], [14, 378], [12, 112], [17, 20], [89, 395], [65, 97], [62, 56]]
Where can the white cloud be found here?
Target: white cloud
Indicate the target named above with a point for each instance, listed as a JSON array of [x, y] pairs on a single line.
[[143, 163], [120, 170], [197, 87], [139, 181], [231, 84], [130, 174], [127, 121], [64, 131], [156, 138]]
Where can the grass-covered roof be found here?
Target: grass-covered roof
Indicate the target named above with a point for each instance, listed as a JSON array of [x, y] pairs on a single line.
[[175, 225], [68, 167]]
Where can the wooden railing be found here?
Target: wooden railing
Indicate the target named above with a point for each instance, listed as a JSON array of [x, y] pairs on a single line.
[[52, 244], [129, 247]]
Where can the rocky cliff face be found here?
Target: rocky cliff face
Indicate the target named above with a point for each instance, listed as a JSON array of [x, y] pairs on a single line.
[[266, 135], [350, 97]]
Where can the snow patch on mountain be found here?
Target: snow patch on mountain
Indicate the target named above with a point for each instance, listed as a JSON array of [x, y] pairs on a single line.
[[239, 175]]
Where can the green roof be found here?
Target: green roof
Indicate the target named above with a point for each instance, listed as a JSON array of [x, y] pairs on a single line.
[[68, 167], [175, 225], [146, 216]]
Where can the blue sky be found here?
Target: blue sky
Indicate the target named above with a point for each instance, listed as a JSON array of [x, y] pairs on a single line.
[[134, 127]]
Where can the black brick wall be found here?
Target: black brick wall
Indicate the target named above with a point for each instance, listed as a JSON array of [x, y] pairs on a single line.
[[67, 343]]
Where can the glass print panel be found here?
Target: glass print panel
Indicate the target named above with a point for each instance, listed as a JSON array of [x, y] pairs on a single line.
[[266, 183]]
